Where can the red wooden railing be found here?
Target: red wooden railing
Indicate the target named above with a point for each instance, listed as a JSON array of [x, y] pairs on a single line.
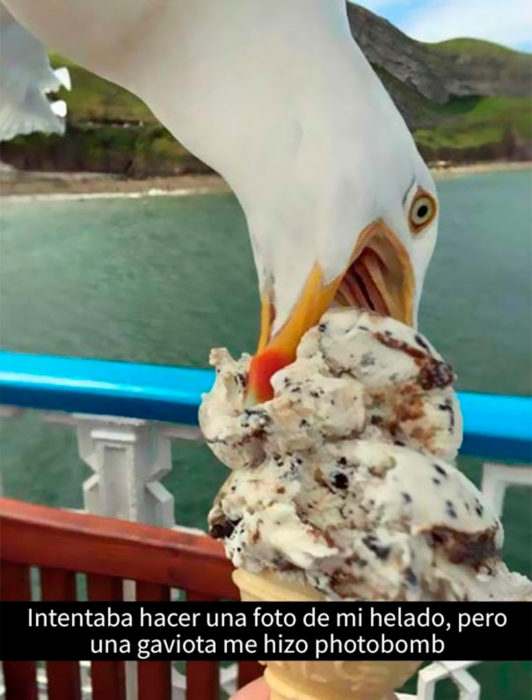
[[61, 543]]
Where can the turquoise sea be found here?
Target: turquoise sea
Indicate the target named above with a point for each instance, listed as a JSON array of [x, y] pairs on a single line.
[[164, 279]]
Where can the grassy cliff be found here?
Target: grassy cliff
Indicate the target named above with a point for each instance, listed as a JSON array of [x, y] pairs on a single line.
[[490, 125]]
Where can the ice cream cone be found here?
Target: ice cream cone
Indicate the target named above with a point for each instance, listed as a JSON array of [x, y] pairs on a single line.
[[320, 680]]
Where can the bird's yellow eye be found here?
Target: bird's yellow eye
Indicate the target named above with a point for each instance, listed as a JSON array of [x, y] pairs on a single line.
[[422, 211]]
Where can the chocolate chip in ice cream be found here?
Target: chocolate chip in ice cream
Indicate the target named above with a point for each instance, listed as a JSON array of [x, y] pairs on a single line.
[[373, 544], [473, 549], [340, 481], [447, 406], [449, 509], [222, 527], [387, 339], [422, 342], [435, 374], [410, 577], [439, 469]]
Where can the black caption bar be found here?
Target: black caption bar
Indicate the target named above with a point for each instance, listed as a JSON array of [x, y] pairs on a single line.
[[229, 630]]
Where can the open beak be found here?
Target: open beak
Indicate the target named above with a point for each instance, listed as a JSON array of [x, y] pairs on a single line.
[[378, 276]]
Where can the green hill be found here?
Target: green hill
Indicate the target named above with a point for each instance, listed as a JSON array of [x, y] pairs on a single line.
[[493, 125], [464, 100], [97, 100], [476, 47], [473, 122]]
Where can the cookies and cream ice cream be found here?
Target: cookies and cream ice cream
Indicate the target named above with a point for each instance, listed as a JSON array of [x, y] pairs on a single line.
[[343, 481]]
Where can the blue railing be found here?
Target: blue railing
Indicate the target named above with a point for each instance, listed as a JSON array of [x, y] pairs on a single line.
[[495, 426]]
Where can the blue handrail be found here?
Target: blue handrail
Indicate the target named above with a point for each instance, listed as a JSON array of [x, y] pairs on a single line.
[[495, 426]]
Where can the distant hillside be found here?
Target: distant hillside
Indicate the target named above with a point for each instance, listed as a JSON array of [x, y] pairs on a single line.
[[463, 99], [442, 71]]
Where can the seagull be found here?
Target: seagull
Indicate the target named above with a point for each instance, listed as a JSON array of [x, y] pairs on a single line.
[[278, 98], [25, 79]]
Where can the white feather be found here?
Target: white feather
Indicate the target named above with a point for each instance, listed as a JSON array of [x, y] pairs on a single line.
[[25, 79], [63, 75], [59, 108]]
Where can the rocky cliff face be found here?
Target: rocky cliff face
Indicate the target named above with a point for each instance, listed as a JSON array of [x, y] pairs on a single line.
[[440, 71]]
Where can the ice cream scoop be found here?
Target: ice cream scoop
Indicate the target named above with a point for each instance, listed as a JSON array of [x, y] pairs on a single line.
[[364, 520], [343, 482], [357, 374]]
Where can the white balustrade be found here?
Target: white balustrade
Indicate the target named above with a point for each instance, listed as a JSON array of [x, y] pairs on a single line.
[[129, 457], [468, 688], [497, 477]]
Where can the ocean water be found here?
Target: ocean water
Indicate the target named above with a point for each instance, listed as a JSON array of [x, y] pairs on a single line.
[[162, 280]]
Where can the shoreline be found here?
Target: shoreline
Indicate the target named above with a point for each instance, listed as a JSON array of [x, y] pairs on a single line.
[[482, 167], [21, 186]]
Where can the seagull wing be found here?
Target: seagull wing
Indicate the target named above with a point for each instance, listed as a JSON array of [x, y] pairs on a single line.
[[25, 78]]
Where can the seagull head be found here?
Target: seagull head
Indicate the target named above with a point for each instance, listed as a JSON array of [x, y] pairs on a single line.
[[351, 219]]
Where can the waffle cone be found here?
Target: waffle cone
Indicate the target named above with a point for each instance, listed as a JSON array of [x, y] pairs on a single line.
[[320, 680]]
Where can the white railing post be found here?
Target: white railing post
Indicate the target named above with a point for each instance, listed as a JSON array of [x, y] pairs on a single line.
[[128, 457], [428, 677], [497, 477]]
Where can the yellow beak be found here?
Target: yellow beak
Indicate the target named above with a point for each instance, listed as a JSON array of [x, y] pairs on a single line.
[[377, 275]]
